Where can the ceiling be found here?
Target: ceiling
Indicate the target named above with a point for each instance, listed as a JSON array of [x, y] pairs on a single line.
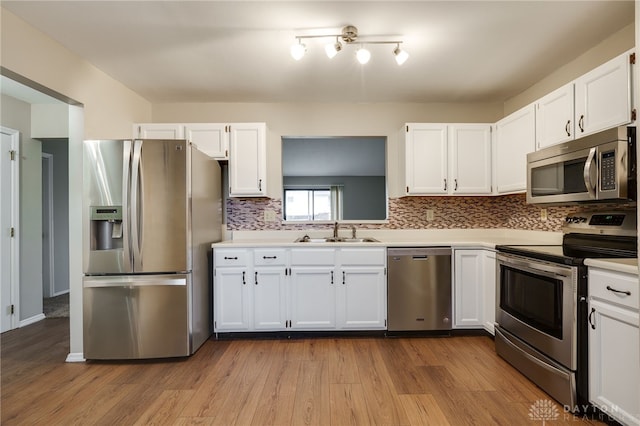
[[238, 51]]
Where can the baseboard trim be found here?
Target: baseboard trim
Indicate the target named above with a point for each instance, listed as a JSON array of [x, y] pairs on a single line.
[[75, 357], [32, 320]]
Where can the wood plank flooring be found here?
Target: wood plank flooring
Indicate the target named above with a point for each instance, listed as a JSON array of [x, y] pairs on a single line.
[[323, 381]]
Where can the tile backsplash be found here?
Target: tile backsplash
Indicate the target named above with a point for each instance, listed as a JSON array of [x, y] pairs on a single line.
[[507, 211]]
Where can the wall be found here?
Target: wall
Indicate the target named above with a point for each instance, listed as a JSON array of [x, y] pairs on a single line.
[[59, 148], [16, 114], [613, 46], [109, 107]]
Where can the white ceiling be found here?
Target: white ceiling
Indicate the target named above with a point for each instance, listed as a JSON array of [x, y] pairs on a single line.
[[238, 51]]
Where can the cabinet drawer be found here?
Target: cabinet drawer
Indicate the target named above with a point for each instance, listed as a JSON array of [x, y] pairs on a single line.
[[615, 287], [231, 257], [315, 256], [362, 256], [265, 257]]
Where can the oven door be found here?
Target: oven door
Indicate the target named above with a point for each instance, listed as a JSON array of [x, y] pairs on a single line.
[[537, 302]]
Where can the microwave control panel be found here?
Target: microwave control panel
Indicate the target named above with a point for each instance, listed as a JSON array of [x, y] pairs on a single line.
[[608, 171]]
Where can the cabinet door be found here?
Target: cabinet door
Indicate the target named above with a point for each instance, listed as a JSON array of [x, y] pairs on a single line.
[[247, 160], [614, 373], [603, 97], [362, 298], [269, 298], [514, 140], [313, 298], [158, 131], [470, 158], [426, 159], [210, 138], [554, 117], [231, 299], [489, 290], [468, 288]]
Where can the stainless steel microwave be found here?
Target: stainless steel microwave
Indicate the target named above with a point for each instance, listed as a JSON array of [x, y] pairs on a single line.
[[598, 167]]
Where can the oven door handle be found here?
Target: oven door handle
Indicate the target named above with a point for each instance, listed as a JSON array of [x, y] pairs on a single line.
[[536, 267], [590, 173]]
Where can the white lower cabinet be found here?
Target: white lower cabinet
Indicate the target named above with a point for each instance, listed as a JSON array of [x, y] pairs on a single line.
[[313, 296], [269, 298], [232, 292], [614, 345], [326, 288], [474, 288]]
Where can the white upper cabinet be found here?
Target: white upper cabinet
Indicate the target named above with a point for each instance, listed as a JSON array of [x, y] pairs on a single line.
[[158, 131], [426, 158], [210, 138], [554, 117], [442, 159], [515, 138], [470, 155], [247, 160], [603, 96]]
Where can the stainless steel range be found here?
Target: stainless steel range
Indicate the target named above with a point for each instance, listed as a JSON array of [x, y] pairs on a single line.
[[541, 303]]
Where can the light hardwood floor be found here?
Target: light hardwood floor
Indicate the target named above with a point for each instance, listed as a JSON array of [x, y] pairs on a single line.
[[323, 381]]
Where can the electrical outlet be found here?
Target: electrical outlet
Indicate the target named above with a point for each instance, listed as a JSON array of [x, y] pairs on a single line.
[[429, 215], [543, 214], [269, 216]]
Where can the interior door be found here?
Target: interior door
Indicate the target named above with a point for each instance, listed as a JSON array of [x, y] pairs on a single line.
[[159, 206]]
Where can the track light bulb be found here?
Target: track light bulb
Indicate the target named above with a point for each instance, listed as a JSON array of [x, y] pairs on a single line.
[[332, 49], [363, 55], [298, 50], [401, 55]]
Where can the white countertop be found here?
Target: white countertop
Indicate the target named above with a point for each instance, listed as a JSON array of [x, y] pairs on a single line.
[[480, 238], [629, 266]]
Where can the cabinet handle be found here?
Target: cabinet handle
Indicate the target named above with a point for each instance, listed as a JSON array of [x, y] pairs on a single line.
[[230, 258], [244, 281], [593, 311], [256, 277], [407, 189], [344, 279], [332, 277], [627, 292], [567, 129], [445, 184], [269, 257], [581, 123], [455, 181], [260, 185]]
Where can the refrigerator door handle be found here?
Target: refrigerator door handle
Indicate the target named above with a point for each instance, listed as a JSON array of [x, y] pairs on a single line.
[[133, 281], [136, 211], [126, 184]]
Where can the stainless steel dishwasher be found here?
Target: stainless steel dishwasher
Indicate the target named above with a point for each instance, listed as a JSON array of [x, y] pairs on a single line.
[[419, 289]]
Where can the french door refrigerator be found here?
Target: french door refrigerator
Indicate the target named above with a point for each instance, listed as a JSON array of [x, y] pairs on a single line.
[[152, 208]]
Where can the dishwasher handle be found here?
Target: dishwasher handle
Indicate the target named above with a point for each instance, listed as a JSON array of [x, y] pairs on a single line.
[[419, 253]]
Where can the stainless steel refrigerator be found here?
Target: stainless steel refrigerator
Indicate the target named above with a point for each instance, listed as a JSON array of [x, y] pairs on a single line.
[[152, 208]]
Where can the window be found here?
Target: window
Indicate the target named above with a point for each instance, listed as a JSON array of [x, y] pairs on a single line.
[[306, 204]]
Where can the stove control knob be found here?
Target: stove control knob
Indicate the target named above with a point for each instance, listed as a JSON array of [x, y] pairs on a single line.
[[567, 219], [583, 219]]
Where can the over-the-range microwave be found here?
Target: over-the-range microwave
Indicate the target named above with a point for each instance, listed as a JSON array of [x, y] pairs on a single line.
[[598, 167]]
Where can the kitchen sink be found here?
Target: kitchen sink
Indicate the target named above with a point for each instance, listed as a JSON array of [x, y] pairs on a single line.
[[307, 239]]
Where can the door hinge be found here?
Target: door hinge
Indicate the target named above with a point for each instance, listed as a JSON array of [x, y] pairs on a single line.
[[632, 59], [13, 309], [633, 114], [13, 232], [13, 155]]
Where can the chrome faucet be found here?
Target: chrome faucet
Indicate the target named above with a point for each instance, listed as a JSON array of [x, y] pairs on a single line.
[[335, 229]]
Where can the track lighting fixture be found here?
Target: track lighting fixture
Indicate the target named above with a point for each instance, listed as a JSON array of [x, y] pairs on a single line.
[[348, 36]]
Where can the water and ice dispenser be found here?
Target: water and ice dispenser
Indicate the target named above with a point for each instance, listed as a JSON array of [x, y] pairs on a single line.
[[106, 227]]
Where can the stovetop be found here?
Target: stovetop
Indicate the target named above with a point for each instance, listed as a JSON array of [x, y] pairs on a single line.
[[587, 235]]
